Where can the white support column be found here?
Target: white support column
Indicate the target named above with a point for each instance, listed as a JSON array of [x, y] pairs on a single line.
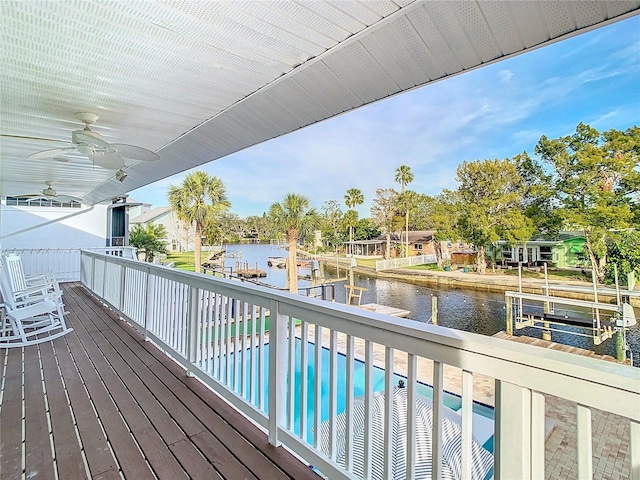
[[277, 372]]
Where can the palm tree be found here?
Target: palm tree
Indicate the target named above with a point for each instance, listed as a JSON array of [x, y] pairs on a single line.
[[404, 177], [196, 201], [295, 218], [352, 199]]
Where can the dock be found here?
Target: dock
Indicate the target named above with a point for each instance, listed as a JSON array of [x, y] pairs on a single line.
[[554, 346], [385, 310], [243, 271]]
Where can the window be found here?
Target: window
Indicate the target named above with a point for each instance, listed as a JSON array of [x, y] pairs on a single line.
[[507, 253], [417, 246], [40, 202], [546, 254]]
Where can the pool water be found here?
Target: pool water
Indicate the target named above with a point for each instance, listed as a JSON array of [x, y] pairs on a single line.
[[482, 415]]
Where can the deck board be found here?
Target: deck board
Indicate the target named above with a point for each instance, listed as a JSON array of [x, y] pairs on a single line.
[[118, 407], [11, 419], [40, 458]]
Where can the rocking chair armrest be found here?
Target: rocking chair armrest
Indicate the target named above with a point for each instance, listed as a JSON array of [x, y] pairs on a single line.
[[41, 279]]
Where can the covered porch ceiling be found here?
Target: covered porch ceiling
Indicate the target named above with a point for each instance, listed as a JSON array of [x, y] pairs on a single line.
[[195, 81]]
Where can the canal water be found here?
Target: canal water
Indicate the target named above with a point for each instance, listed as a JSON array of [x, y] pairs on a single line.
[[462, 309]]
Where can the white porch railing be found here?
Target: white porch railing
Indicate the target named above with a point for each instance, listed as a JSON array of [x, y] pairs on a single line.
[[409, 261], [217, 329], [64, 263]]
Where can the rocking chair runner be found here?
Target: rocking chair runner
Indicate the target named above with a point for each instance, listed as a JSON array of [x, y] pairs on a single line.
[[31, 316]]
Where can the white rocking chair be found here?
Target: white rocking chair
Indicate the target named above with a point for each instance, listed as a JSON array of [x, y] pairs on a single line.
[[30, 316]]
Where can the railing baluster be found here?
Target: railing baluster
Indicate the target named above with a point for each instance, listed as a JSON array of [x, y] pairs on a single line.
[[237, 351], [216, 349], [237, 318], [277, 372], [304, 377], [438, 405], [252, 356], [585, 440], [317, 394], [467, 423], [227, 335], [412, 373], [291, 373], [368, 413], [261, 359], [349, 460], [245, 353], [192, 328], [333, 392], [389, 454]]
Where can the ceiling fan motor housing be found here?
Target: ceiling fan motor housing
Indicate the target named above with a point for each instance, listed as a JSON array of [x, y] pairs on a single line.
[[86, 132]]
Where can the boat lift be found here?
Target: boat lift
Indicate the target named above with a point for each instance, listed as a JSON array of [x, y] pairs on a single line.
[[622, 314]]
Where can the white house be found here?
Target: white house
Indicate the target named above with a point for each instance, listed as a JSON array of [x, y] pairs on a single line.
[[45, 223], [179, 238]]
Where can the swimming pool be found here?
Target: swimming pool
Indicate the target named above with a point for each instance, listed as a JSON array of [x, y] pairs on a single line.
[[483, 416]]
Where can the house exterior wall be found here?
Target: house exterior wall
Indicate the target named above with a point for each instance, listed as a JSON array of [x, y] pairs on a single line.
[[177, 238], [85, 230], [561, 254]]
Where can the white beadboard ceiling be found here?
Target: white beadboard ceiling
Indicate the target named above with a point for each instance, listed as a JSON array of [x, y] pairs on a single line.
[[195, 81]]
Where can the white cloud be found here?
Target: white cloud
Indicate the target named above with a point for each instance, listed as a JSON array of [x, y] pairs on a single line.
[[505, 75]]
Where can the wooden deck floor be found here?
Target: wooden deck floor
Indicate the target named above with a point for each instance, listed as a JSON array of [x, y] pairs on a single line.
[[101, 403]]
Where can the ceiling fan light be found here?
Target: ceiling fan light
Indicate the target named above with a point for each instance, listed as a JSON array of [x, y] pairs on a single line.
[[86, 149]]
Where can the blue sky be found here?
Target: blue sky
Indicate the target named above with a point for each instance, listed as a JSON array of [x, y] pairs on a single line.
[[496, 111]]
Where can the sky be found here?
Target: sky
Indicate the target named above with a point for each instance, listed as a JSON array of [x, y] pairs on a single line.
[[492, 112]]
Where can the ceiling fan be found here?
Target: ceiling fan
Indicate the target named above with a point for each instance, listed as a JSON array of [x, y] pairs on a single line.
[[100, 152], [50, 193]]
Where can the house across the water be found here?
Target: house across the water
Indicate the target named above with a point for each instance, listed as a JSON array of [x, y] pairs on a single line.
[[421, 242], [567, 249]]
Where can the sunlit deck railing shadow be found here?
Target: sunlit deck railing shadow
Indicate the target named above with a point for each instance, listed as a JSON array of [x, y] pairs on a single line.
[[218, 329]]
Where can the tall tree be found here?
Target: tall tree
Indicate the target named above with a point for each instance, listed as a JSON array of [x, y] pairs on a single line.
[[295, 218], [195, 201], [352, 199], [489, 204], [441, 214], [331, 221], [383, 212], [596, 179], [404, 177]]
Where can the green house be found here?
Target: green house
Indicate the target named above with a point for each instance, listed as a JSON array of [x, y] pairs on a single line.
[[565, 250]]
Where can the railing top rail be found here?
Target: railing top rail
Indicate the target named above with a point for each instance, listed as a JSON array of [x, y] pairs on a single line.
[[554, 372]]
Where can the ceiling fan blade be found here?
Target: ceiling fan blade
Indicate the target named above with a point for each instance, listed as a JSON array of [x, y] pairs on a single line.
[[135, 153], [26, 137], [91, 139], [110, 161], [50, 153]]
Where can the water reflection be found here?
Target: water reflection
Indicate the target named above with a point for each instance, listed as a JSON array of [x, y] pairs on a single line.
[[468, 310]]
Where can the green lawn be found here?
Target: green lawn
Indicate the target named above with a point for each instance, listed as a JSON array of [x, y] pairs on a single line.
[[183, 260]]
